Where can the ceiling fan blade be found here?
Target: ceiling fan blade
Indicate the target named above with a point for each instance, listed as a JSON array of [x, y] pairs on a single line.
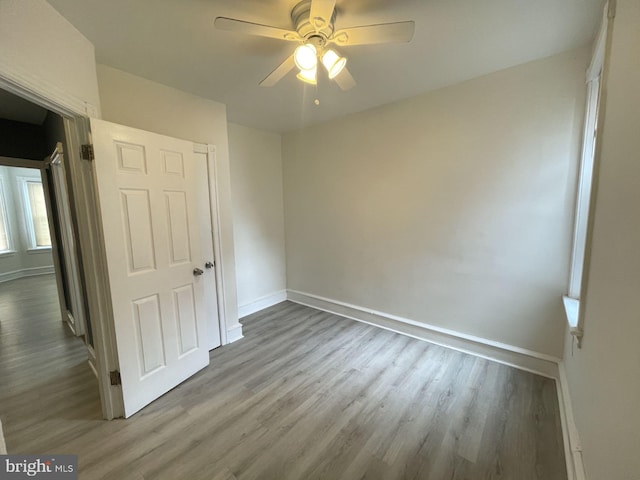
[[321, 13], [344, 80], [397, 32], [240, 26], [280, 71]]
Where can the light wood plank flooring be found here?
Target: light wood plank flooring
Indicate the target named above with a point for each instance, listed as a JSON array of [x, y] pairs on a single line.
[[305, 395]]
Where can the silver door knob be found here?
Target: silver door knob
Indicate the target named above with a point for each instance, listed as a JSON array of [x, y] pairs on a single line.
[[209, 265], [197, 272]]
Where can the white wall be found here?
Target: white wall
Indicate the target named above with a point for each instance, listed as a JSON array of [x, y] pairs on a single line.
[[24, 261], [41, 48], [258, 216], [136, 102], [604, 376], [453, 208]]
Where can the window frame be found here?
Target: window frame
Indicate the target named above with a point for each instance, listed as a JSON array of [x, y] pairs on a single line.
[[5, 219], [585, 187], [32, 242], [587, 183]]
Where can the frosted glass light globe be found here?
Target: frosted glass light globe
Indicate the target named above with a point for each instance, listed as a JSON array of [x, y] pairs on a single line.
[[306, 57]]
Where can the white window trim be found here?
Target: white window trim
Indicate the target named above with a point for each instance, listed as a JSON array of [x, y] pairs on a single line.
[[585, 183], [28, 218], [7, 223], [577, 272]]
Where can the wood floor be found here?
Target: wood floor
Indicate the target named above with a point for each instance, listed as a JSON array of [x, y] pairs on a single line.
[[305, 395]]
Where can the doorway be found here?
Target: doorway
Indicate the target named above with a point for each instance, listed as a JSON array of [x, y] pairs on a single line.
[[86, 182], [47, 364]]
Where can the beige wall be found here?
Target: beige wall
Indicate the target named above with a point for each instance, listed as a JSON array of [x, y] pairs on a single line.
[[604, 376], [43, 49], [258, 216], [136, 102], [453, 208]]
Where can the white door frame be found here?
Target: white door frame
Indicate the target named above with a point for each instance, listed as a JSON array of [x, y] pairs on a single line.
[[75, 317], [75, 113], [103, 357], [210, 151]]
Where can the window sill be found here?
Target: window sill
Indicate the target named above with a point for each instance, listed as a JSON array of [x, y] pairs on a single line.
[[39, 250], [572, 311], [7, 253]]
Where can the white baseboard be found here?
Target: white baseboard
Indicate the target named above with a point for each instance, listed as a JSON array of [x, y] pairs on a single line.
[[517, 357], [572, 444], [262, 303], [26, 272], [234, 334]]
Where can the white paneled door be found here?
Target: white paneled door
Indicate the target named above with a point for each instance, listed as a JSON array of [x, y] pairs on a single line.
[[156, 221]]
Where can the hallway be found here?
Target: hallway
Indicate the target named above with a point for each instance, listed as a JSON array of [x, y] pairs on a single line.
[[45, 379]]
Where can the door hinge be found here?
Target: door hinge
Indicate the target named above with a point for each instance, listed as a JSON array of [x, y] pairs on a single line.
[[87, 152], [115, 378]]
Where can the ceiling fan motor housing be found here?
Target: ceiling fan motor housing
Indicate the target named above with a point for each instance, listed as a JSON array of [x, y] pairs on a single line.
[[309, 28]]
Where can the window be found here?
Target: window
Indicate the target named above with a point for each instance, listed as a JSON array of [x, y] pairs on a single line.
[[5, 237], [36, 214], [585, 181]]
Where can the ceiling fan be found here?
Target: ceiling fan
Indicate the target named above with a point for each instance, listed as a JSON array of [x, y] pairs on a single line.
[[316, 35]]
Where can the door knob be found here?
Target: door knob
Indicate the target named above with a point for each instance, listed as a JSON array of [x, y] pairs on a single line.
[[209, 265], [197, 272]]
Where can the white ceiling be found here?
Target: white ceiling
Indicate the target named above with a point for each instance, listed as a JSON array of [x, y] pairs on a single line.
[[174, 42]]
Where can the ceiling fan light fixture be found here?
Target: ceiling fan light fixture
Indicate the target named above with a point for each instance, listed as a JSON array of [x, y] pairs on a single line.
[[309, 76], [333, 62], [306, 57]]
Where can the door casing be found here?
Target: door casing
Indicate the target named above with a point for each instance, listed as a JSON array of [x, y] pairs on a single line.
[[75, 315]]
